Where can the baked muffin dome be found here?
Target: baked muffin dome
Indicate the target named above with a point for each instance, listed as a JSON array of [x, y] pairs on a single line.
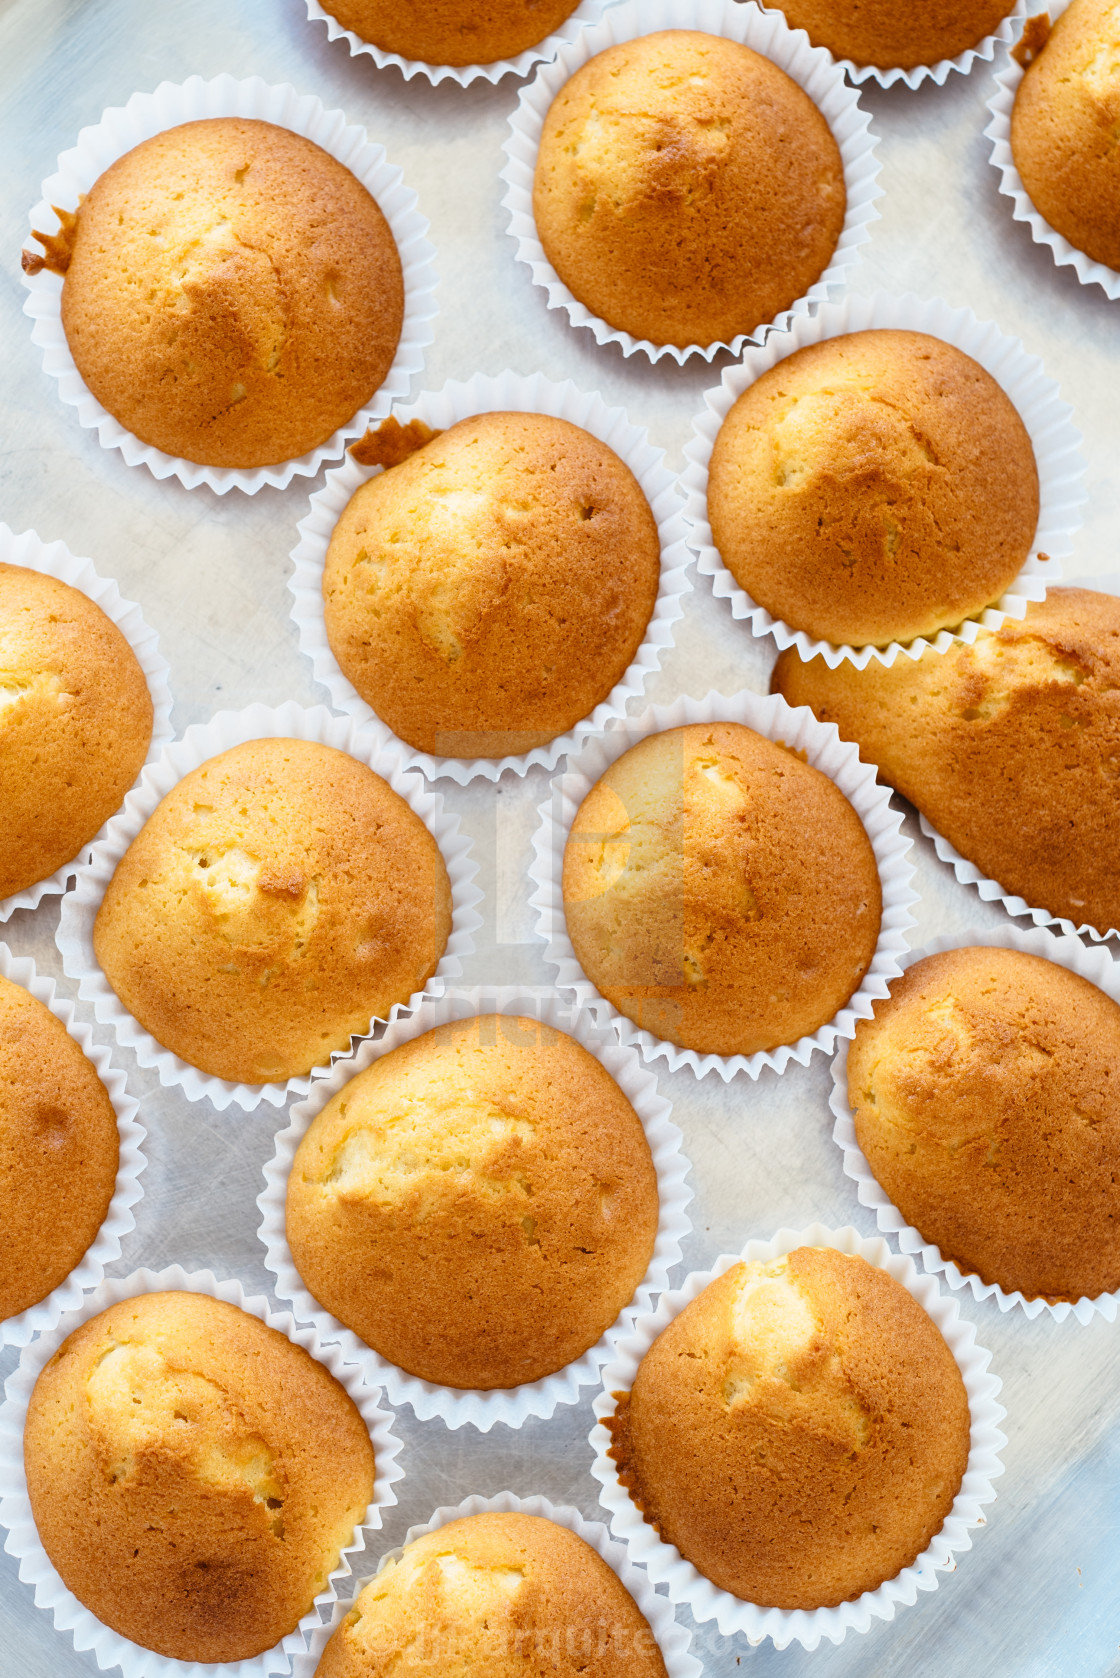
[[280, 897], [1063, 129], [478, 1205], [488, 592], [1010, 747], [59, 1151], [501, 1594], [986, 1100], [453, 31], [720, 892], [75, 723], [889, 36], [193, 1474], [686, 189], [799, 1431], [873, 488], [234, 294]]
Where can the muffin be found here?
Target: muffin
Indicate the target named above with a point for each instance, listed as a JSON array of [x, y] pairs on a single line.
[[798, 1432], [686, 189], [986, 1100], [488, 592], [887, 36], [1063, 129], [451, 32], [277, 900], [59, 1151], [507, 1595], [1010, 747], [75, 723], [873, 488], [478, 1204], [720, 892], [233, 294], [193, 1474]]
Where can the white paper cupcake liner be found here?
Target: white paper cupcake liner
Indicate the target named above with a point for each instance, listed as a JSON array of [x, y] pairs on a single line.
[[120, 1218], [54, 559], [1011, 185], [672, 1639], [1055, 440], [511, 1405], [732, 1614], [939, 72], [442, 409], [766, 33], [109, 1648], [1100, 970], [204, 741], [124, 126], [820, 743]]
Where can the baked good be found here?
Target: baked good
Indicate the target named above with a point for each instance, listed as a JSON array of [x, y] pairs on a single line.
[[1063, 129], [193, 1474], [720, 892], [478, 1205], [1010, 747], [799, 1431], [453, 31], [874, 487], [488, 592], [59, 1151], [507, 1594], [278, 899], [884, 34], [75, 722], [233, 293], [686, 189], [985, 1099]]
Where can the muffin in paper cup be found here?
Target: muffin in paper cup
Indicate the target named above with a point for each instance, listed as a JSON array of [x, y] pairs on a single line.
[[733, 1614], [512, 1405], [441, 409], [120, 1218], [54, 559], [998, 131], [201, 742], [1048, 419], [766, 33], [819, 745], [109, 1648], [672, 1639], [1067, 951], [122, 127], [939, 72]]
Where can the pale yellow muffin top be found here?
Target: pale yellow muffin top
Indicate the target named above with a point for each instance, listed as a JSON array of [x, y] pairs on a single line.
[[455, 32]]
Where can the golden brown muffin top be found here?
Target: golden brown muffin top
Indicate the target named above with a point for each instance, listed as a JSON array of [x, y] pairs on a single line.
[[488, 592], [234, 294], [453, 31], [686, 189], [193, 1474], [873, 488], [1011, 747], [278, 899], [986, 1098], [59, 1151], [799, 1431], [508, 1595], [1063, 129], [75, 723], [887, 35], [720, 892], [478, 1205]]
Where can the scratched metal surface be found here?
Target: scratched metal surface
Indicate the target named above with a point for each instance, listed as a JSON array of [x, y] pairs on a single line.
[[1039, 1595]]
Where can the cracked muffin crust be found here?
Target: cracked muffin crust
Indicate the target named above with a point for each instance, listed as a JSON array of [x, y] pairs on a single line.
[[884, 34], [458, 32], [193, 1474]]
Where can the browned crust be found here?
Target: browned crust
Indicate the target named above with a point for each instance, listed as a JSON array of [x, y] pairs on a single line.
[[455, 32], [390, 443], [889, 36]]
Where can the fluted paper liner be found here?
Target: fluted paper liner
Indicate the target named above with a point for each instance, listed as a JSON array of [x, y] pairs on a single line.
[[732, 1614], [442, 409], [821, 746], [940, 71], [123, 127], [204, 741], [109, 1648], [766, 33]]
